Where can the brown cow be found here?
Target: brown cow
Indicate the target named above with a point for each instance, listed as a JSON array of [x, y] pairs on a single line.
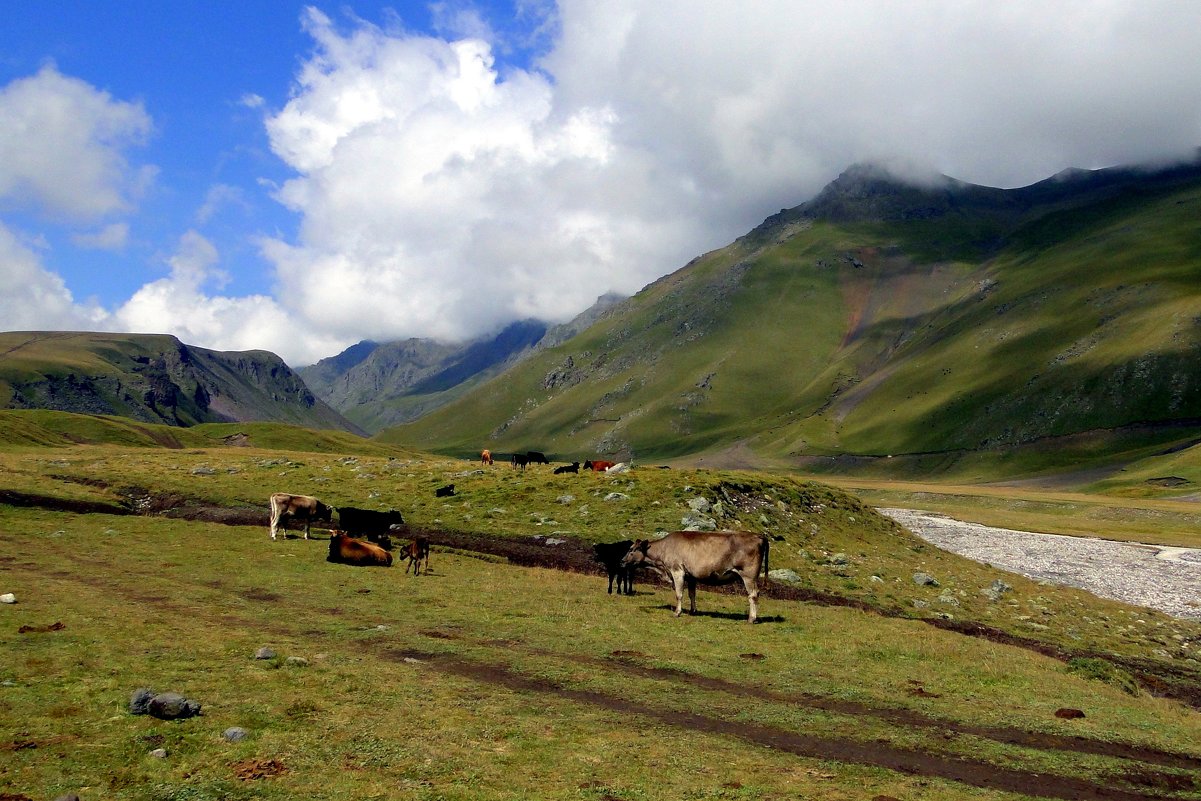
[[708, 557], [301, 507], [346, 550], [486, 456], [418, 549], [598, 465]]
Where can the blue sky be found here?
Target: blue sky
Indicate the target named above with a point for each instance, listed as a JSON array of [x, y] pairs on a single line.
[[298, 177]]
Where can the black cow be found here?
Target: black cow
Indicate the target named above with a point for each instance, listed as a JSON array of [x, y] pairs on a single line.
[[574, 467], [537, 457], [611, 554], [519, 460], [369, 523], [445, 492]]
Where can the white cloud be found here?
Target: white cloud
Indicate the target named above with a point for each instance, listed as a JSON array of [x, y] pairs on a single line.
[[35, 299], [62, 145], [219, 197], [180, 304], [440, 196], [111, 237]]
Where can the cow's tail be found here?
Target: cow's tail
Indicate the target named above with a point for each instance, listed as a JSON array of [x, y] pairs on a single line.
[[766, 548]]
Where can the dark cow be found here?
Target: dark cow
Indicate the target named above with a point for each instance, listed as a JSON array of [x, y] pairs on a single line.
[[537, 457], [486, 456], [300, 507], [418, 549], [445, 492], [574, 467], [611, 554], [708, 557], [369, 523], [519, 460], [598, 465], [345, 550]]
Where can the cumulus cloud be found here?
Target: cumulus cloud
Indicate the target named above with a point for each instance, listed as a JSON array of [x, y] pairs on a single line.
[[185, 304], [62, 145], [34, 299], [441, 196]]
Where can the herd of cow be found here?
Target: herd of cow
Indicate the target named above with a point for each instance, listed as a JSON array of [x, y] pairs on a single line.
[[686, 558]]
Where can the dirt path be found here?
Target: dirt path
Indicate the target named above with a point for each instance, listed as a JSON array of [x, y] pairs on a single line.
[[1143, 782], [1158, 577]]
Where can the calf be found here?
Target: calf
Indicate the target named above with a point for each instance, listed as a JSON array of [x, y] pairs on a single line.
[[347, 551], [369, 523], [418, 549], [519, 460], [611, 554], [300, 507], [708, 557], [574, 467], [598, 465], [445, 492]]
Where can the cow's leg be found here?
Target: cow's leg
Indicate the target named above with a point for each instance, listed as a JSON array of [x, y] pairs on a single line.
[[613, 574], [691, 593], [752, 595], [677, 583]]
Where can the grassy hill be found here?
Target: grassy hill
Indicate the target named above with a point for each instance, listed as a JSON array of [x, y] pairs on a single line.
[[926, 324], [154, 378]]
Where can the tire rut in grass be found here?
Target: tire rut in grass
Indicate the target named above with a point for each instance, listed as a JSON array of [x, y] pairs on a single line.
[[875, 754]]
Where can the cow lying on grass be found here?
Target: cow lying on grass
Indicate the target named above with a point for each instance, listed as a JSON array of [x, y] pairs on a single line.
[[708, 557], [300, 507], [345, 550]]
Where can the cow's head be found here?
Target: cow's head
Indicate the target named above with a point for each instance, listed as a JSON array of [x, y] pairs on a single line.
[[588, 464], [323, 512], [637, 553]]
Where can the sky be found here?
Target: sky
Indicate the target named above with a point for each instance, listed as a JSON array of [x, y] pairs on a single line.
[[297, 178]]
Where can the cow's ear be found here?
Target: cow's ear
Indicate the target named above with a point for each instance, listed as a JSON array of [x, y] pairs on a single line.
[[643, 545]]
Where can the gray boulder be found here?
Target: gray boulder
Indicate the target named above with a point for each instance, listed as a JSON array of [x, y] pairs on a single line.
[[139, 702], [698, 522], [264, 653], [235, 734], [925, 580], [172, 706], [994, 591], [785, 575]]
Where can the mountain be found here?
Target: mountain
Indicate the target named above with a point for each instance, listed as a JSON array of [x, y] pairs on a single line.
[[887, 318], [382, 384], [154, 378]]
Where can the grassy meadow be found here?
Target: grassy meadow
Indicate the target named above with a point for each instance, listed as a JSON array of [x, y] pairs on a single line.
[[484, 679]]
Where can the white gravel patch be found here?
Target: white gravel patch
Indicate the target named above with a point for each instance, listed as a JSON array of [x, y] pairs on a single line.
[[1156, 576]]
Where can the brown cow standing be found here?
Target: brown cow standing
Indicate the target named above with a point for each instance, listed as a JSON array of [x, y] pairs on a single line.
[[708, 557], [301, 507], [348, 551], [486, 456], [418, 549]]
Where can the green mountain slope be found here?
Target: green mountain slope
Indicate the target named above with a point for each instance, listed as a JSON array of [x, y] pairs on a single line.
[[154, 378], [885, 319]]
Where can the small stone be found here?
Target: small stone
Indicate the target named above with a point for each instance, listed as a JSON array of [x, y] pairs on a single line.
[[877, 580], [235, 734], [8, 598], [616, 496], [296, 661], [264, 653], [203, 471], [159, 753], [565, 499], [139, 702], [785, 575], [172, 706], [839, 559], [925, 580]]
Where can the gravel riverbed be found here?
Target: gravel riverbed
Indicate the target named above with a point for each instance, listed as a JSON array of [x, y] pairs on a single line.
[[1156, 576]]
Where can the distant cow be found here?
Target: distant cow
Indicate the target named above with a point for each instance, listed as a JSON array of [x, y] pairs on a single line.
[[611, 554], [345, 550], [300, 507], [574, 467], [370, 524], [418, 549], [598, 465], [537, 457], [486, 456], [445, 492], [519, 460], [708, 557]]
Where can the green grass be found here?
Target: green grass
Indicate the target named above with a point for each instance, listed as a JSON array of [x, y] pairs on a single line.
[[461, 684]]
